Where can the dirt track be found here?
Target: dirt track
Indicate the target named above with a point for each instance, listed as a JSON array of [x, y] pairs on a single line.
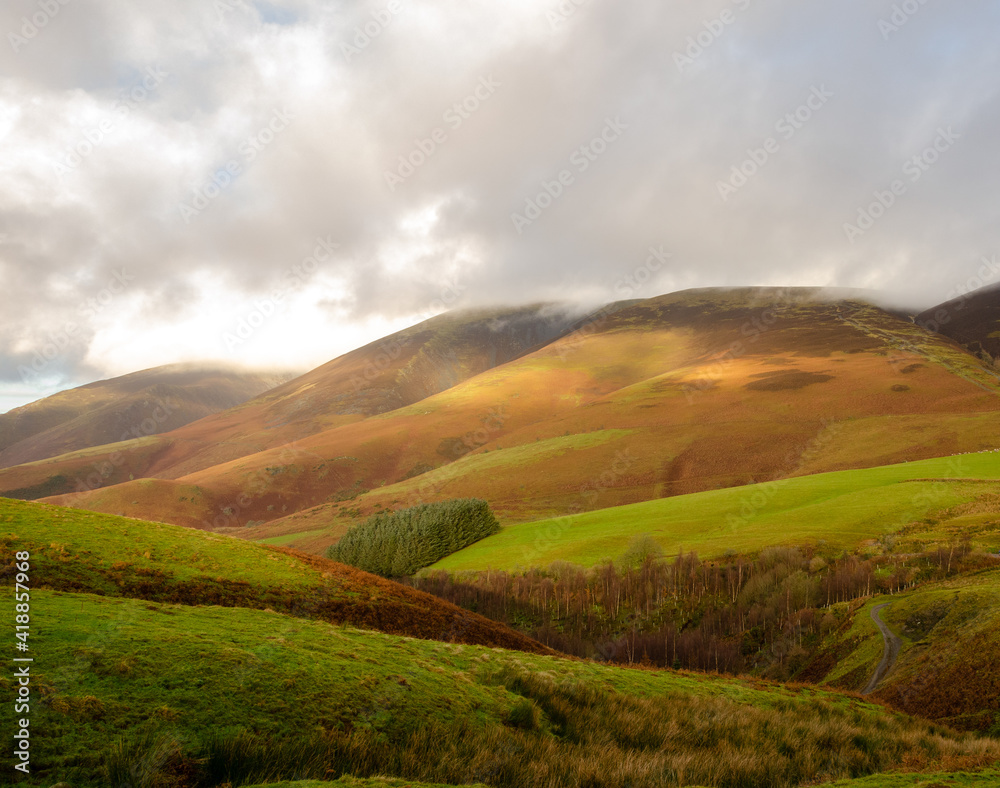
[[892, 646]]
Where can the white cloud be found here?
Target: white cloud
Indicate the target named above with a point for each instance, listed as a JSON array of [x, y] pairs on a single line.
[[447, 229]]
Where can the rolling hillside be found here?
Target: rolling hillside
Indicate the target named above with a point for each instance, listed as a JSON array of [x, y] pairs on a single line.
[[255, 677], [207, 696], [397, 370], [948, 666], [120, 409], [688, 392], [972, 320], [922, 502], [93, 553]]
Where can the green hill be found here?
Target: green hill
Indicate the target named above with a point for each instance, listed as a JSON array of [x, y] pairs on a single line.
[[949, 665], [196, 696], [78, 551], [939, 780], [841, 509]]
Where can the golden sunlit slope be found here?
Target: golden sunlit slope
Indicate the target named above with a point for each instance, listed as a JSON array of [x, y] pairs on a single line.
[[394, 372], [138, 405], [382, 376], [687, 392]]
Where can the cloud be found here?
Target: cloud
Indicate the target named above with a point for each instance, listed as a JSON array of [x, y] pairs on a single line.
[[204, 147]]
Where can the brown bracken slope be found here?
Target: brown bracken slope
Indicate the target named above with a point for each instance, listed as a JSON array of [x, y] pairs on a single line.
[[671, 395]]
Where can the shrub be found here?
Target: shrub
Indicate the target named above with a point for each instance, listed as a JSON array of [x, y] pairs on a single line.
[[148, 760], [642, 548], [397, 544], [523, 715]]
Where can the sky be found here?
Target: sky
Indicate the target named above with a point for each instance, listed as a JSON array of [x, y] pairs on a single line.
[[275, 183]]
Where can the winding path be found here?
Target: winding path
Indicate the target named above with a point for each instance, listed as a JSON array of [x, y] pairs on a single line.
[[891, 651]]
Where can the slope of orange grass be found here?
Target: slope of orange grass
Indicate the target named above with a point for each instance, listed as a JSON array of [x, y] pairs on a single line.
[[688, 392]]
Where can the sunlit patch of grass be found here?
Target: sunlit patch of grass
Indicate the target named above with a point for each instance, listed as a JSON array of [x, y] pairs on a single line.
[[841, 509]]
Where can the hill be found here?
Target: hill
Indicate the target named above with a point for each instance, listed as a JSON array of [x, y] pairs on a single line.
[[688, 392], [119, 409], [948, 780], [693, 391], [205, 696], [395, 371], [948, 666], [93, 553], [972, 320], [926, 501]]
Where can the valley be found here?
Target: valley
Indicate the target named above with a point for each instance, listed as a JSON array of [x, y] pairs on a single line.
[[701, 502]]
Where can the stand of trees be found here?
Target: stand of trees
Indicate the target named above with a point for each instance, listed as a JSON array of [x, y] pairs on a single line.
[[396, 544], [763, 614]]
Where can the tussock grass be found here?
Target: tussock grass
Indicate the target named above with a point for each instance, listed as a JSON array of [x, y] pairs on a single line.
[[256, 697], [598, 738]]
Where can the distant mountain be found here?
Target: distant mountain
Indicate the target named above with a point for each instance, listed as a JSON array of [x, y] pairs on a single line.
[[972, 320], [687, 392], [393, 372], [125, 408]]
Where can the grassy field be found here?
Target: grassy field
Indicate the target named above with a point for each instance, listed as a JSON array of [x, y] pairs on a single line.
[[209, 695], [985, 779], [67, 540], [858, 649], [949, 664], [129, 687], [72, 550], [841, 510], [354, 782], [290, 540]]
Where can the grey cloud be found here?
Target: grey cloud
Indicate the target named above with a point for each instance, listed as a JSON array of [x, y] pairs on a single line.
[[324, 175]]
